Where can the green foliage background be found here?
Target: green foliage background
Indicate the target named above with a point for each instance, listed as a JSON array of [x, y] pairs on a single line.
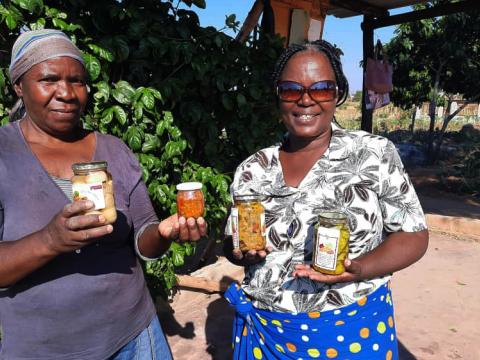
[[189, 101]]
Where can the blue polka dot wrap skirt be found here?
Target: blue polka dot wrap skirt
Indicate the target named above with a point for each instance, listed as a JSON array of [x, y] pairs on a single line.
[[363, 330]]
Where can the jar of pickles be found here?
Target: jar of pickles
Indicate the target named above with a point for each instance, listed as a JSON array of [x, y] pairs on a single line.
[[331, 243], [248, 223], [92, 181], [190, 200]]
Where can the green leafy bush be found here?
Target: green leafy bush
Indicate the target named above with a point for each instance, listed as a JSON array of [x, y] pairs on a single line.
[[189, 101]]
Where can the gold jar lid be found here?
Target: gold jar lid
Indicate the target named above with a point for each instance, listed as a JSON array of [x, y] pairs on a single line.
[[248, 198], [333, 217], [90, 166]]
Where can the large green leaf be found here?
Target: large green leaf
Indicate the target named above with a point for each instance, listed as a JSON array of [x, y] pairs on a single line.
[[120, 114], [33, 6], [148, 99], [151, 143], [93, 66], [134, 138], [107, 116], [178, 254], [101, 52], [10, 21], [123, 92], [200, 3], [103, 91]]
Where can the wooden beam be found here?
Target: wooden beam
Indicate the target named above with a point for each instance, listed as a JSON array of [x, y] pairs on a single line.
[[250, 22], [197, 283], [441, 10], [367, 115], [360, 7]]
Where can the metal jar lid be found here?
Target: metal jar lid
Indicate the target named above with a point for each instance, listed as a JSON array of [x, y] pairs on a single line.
[[90, 166], [332, 216], [248, 197]]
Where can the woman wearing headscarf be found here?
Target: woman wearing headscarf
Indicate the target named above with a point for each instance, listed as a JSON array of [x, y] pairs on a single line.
[[72, 285], [285, 308]]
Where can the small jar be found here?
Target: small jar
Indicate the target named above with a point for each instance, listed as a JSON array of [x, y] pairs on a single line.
[[190, 200], [331, 243], [92, 181], [248, 223]]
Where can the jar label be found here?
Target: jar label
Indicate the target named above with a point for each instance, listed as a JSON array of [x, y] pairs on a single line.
[[93, 192], [326, 251], [234, 223], [262, 224]]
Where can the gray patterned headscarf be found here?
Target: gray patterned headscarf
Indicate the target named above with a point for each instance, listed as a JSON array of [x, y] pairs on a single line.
[[33, 47]]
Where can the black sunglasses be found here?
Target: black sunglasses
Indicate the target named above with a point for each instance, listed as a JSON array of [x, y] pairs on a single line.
[[321, 91]]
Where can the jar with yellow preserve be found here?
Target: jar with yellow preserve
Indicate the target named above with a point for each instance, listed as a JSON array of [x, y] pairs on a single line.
[[248, 223], [91, 181], [331, 243]]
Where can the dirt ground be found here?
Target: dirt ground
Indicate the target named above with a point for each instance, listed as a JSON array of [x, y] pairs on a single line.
[[437, 305], [437, 300]]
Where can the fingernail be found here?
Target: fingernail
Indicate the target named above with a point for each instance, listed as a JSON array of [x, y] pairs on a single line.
[[101, 218], [109, 228]]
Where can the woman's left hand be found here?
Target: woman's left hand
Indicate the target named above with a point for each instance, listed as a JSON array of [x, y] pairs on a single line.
[[179, 228], [353, 271]]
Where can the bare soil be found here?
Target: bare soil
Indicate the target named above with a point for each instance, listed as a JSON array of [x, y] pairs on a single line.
[[436, 303]]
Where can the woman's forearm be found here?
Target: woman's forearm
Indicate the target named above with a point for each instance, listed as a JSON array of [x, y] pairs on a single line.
[[21, 257], [398, 251], [151, 244]]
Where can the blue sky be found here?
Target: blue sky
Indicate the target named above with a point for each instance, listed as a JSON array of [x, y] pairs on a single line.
[[345, 33]]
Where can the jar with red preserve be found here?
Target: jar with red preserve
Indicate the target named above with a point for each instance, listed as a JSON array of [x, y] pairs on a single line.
[[190, 200]]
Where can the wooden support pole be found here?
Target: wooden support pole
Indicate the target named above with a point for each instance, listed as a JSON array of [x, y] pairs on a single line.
[[250, 22], [367, 115]]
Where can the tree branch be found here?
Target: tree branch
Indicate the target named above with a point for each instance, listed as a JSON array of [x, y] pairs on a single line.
[[460, 108]]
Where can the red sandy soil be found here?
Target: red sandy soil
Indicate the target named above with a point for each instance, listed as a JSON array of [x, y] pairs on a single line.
[[436, 303]]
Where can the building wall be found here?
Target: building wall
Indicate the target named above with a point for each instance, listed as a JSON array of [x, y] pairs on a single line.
[[315, 11], [469, 110]]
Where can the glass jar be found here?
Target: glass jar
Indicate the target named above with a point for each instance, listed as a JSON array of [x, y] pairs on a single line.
[[190, 200], [248, 223], [92, 181], [331, 243]]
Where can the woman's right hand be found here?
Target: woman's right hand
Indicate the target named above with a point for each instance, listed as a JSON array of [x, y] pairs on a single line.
[[252, 256], [70, 230]]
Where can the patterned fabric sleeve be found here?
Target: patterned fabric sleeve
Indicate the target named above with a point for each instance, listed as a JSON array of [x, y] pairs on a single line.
[[398, 200]]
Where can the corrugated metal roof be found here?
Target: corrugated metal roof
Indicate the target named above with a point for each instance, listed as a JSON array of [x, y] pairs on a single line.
[[343, 9]]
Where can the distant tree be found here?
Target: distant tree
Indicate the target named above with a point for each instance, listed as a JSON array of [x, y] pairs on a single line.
[[433, 58], [357, 96]]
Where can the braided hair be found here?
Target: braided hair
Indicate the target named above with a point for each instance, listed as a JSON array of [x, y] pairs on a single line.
[[321, 46]]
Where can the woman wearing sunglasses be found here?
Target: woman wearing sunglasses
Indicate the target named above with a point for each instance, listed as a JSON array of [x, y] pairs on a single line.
[[286, 309]]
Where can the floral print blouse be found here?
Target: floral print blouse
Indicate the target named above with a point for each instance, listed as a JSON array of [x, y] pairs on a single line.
[[360, 175]]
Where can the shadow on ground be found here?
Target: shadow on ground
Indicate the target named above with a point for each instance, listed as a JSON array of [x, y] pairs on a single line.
[[403, 353]]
